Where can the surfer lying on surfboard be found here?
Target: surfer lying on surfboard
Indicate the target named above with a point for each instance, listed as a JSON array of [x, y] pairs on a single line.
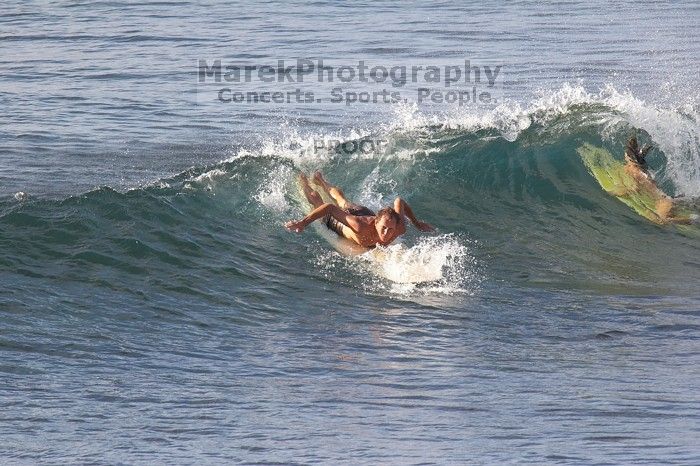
[[355, 222], [636, 167]]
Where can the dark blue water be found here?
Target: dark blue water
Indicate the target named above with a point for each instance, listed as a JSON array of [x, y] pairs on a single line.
[[154, 310]]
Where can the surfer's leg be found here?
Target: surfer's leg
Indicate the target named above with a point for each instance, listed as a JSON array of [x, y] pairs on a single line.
[[312, 196], [335, 192]]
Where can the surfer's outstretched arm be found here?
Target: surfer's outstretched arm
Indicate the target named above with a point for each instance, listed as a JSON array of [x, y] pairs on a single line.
[[403, 209], [320, 212]]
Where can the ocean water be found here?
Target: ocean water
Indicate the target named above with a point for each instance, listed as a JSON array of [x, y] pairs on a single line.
[[154, 310]]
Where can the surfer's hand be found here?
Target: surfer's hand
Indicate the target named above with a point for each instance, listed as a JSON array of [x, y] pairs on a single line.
[[423, 226], [297, 227]]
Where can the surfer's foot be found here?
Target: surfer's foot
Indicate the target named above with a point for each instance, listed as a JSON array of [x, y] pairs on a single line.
[[311, 195], [320, 180], [304, 181]]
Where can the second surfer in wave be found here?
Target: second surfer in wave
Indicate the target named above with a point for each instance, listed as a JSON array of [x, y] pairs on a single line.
[[637, 169]]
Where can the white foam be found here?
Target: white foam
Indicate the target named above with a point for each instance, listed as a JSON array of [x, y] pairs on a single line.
[[435, 264], [207, 180], [272, 191], [210, 177]]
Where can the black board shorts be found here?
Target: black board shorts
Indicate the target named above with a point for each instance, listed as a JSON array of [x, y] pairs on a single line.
[[352, 209]]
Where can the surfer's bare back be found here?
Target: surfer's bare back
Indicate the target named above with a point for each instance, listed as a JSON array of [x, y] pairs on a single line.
[[355, 222]]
